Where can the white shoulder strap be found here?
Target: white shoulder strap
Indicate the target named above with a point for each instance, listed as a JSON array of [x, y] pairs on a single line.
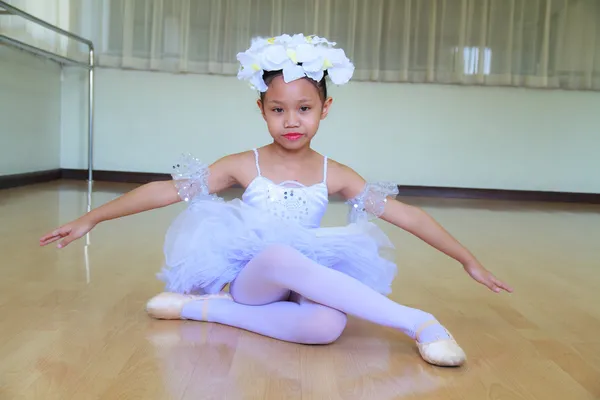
[[256, 161]]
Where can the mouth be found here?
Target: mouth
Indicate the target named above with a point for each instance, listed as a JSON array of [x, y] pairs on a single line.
[[293, 136]]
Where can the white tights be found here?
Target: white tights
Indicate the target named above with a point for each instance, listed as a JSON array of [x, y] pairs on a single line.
[[283, 294]]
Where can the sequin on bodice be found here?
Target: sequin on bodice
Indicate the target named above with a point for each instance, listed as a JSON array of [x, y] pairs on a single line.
[[289, 200]]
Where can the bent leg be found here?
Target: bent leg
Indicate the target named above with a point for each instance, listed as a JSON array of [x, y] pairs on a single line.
[[285, 267], [270, 309], [302, 322]]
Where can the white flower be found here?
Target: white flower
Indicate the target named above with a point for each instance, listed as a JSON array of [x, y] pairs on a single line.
[[297, 56], [319, 40], [251, 71], [338, 66], [297, 40], [273, 57], [258, 44]]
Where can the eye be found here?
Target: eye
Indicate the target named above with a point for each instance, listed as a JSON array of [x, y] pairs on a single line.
[[305, 108], [278, 109]]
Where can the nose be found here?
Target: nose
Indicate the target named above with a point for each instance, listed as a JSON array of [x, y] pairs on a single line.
[[291, 120]]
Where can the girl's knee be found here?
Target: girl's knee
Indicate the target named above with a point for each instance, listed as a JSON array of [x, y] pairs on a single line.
[[326, 326]]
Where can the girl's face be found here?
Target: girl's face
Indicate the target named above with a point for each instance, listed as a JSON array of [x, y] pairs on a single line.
[[293, 111]]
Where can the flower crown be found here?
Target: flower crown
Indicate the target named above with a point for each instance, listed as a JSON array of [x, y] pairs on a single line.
[[297, 56]]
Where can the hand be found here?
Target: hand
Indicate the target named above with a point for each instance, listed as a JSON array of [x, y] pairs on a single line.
[[485, 277], [70, 232]]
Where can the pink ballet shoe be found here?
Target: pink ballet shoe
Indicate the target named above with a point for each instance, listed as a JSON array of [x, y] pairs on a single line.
[[443, 352], [168, 305]]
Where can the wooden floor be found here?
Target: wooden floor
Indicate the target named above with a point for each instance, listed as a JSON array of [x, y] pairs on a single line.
[[73, 322]]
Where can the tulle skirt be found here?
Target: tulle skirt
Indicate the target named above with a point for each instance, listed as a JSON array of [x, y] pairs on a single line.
[[210, 242]]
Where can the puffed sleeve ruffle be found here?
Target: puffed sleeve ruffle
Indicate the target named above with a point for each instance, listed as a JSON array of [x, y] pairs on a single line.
[[190, 177], [370, 203]]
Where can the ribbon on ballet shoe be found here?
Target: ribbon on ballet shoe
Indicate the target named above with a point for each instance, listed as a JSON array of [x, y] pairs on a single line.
[[205, 299], [442, 352], [426, 325]]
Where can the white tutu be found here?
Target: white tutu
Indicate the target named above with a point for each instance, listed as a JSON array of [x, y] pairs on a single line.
[[211, 241]]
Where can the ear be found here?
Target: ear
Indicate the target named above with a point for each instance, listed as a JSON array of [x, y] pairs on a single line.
[[260, 107], [326, 107]]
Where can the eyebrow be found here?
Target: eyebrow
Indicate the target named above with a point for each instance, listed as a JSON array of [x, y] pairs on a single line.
[[302, 100]]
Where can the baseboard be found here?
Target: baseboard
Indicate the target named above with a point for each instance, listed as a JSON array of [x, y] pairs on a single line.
[[499, 194], [408, 191], [29, 178], [114, 176]]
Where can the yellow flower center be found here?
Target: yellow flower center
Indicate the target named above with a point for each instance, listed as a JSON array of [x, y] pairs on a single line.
[[292, 55], [327, 64], [255, 67], [271, 40]]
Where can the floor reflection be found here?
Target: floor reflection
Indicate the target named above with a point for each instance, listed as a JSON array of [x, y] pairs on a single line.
[[208, 356]]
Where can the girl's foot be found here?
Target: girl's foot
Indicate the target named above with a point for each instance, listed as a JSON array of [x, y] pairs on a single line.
[[437, 346], [170, 305]]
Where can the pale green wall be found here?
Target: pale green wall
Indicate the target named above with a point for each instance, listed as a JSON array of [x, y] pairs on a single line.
[[476, 137], [30, 98]]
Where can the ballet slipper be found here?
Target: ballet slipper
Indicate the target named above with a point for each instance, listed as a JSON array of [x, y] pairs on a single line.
[[169, 305], [443, 352]]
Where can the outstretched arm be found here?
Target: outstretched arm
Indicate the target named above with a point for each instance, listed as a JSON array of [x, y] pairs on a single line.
[[415, 221], [144, 198]]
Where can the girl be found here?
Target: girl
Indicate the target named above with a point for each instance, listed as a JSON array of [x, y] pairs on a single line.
[[288, 278]]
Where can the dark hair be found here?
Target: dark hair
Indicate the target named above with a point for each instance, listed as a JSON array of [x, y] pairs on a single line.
[[321, 86]]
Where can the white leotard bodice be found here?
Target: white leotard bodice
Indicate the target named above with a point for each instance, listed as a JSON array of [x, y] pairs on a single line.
[[289, 200]]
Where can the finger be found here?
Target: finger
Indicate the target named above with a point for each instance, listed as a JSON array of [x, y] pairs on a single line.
[[46, 241], [48, 236], [503, 285], [492, 285], [65, 242], [55, 233], [49, 239]]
